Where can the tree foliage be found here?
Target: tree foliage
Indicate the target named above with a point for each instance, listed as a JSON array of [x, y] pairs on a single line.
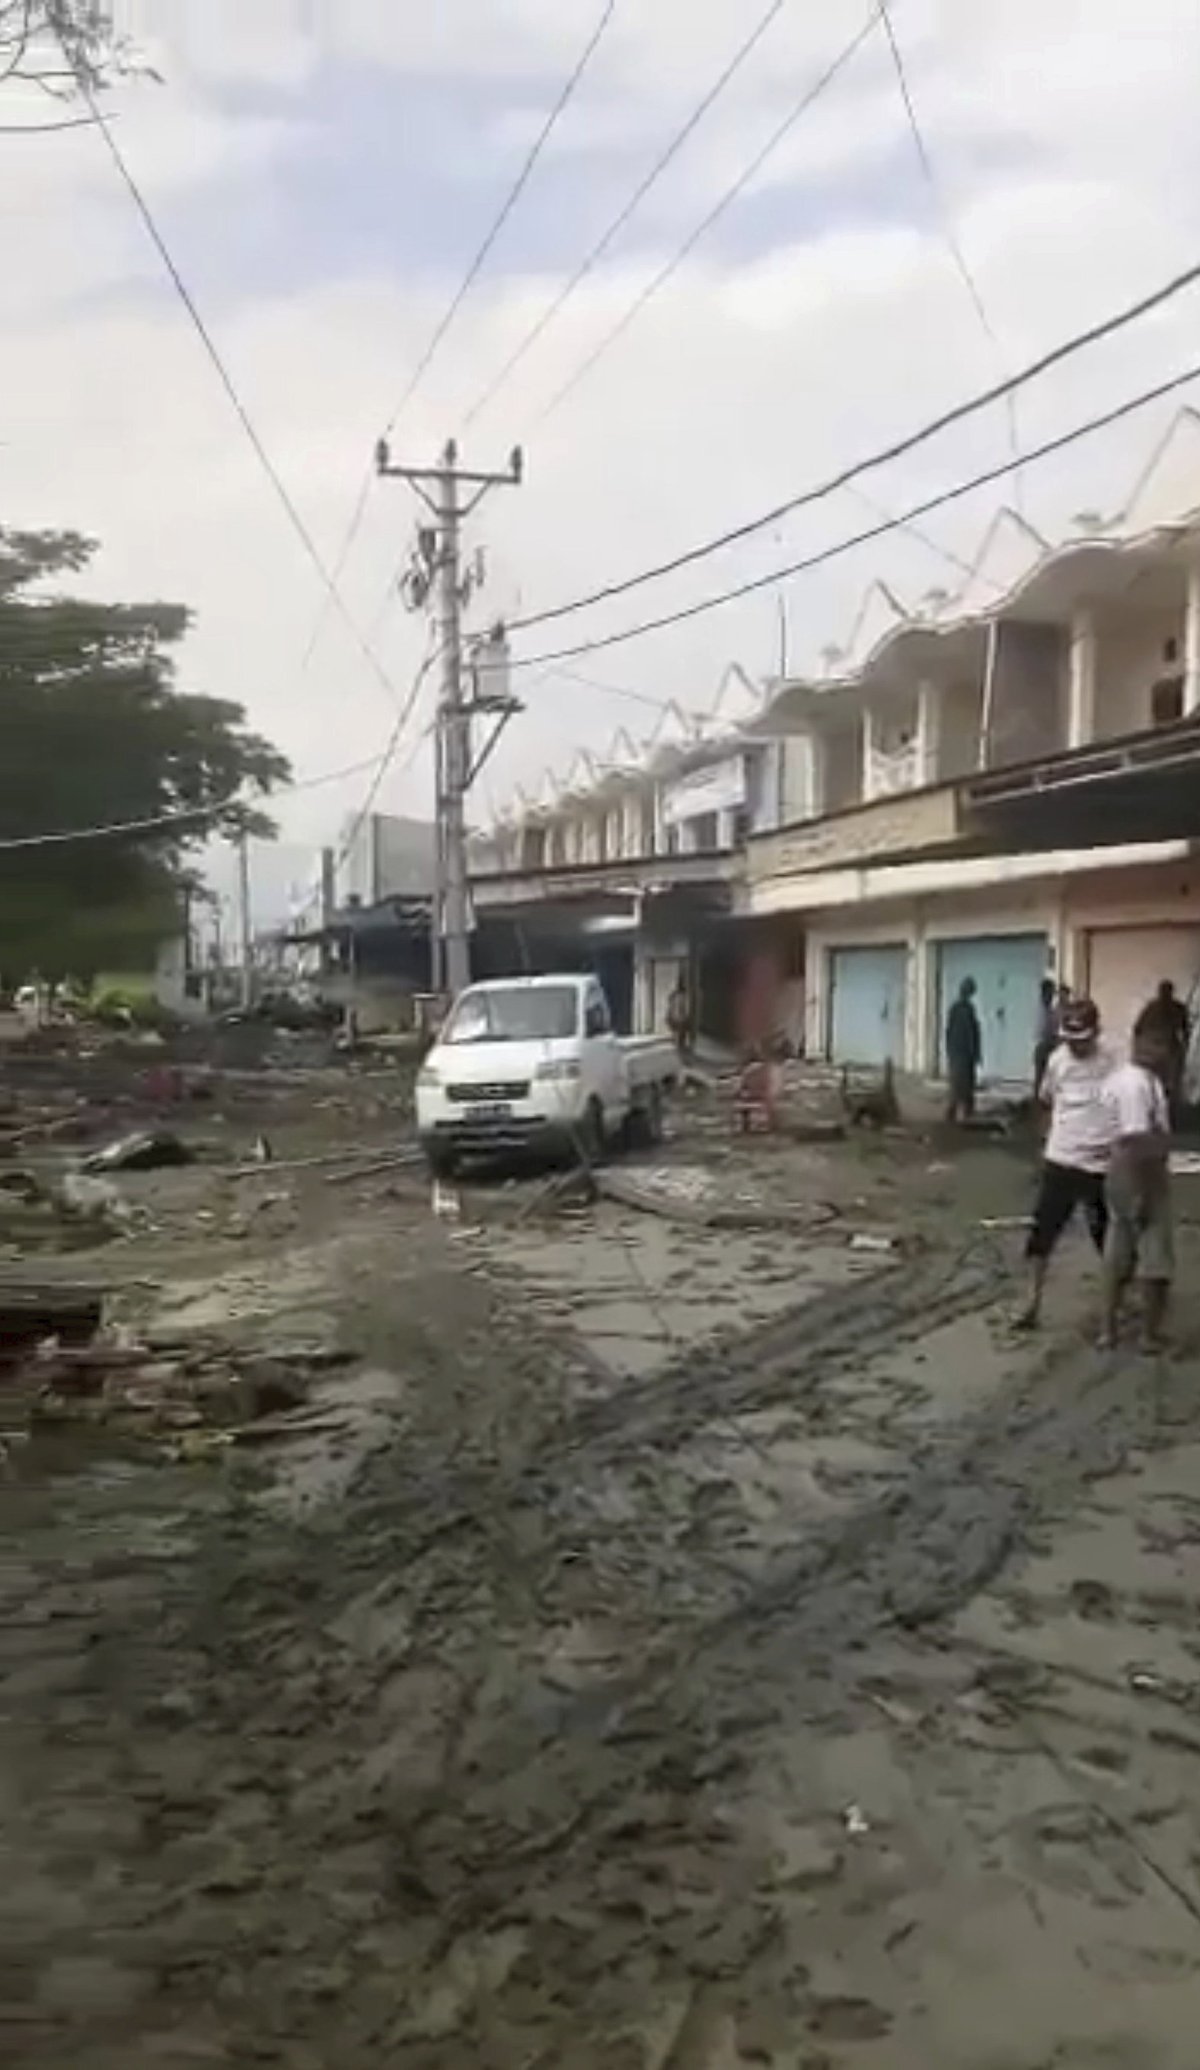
[[64, 49], [94, 733]]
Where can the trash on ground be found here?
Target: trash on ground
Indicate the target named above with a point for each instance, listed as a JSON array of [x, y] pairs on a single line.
[[855, 1820], [96, 1198], [144, 1152]]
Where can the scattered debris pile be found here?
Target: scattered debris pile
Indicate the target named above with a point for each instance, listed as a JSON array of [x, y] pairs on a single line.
[[192, 1397]]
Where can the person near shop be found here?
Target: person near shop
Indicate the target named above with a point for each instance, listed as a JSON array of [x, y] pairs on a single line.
[[1078, 1146], [1165, 1024], [964, 1052], [1048, 1031], [1140, 1239], [679, 1020]]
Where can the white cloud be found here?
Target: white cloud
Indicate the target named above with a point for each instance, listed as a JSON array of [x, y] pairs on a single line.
[[1071, 167]]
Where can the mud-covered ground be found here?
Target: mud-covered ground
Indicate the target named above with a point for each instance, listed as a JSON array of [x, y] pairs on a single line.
[[673, 1647]]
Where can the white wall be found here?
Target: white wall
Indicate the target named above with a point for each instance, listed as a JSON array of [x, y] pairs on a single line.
[[1129, 660], [797, 779], [843, 773], [1030, 692], [962, 717], [386, 856]]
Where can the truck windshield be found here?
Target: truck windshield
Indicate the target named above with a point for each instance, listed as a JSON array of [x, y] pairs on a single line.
[[515, 1013]]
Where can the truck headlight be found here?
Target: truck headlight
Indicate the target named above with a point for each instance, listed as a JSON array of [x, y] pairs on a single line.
[[558, 1070], [428, 1078]]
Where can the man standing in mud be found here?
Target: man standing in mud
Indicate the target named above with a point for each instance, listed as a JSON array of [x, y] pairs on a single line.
[[1078, 1147], [964, 1053], [1140, 1231], [1164, 1022], [679, 1021]]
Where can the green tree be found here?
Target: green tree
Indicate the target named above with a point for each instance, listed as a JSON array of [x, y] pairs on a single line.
[[93, 733]]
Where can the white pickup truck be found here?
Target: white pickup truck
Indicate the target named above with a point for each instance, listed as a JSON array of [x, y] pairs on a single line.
[[532, 1064]]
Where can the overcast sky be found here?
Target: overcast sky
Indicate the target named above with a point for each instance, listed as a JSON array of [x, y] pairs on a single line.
[[323, 171]]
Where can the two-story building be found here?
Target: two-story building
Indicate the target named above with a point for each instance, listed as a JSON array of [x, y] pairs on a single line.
[[1003, 785], [627, 864]]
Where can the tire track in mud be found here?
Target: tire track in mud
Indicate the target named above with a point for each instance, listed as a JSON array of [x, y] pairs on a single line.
[[754, 1369], [742, 1372], [804, 1632]]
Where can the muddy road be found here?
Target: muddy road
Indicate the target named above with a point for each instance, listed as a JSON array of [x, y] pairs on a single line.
[[661, 1647]]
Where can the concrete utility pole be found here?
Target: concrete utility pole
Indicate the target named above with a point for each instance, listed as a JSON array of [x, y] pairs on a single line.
[[440, 571], [246, 922]]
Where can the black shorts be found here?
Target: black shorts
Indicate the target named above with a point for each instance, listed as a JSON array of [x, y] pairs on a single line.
[[1064, 1188]]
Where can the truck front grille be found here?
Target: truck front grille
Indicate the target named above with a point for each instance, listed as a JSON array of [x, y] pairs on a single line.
[[486, 1095]]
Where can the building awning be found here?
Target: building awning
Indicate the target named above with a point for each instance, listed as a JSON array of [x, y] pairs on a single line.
[[1142, 787]]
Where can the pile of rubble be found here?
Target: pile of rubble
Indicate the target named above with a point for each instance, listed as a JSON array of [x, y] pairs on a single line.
[[190, 1397]]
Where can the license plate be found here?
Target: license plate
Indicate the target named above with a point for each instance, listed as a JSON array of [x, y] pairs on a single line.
[[491, 1110]]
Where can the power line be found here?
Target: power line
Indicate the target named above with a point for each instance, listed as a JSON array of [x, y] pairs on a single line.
[[898, 450], [383, 762], [473, 271], [184, 814], [844, 546], [328, 580], [801, 107], [626, 213], [642, 697], [513, 197], [950, 235]]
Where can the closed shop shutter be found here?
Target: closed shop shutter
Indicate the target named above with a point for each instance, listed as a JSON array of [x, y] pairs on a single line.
[[868, 992], [1126, 965], [1007, 969]]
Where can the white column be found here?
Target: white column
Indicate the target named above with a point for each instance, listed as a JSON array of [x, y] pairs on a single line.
[[920, 1034], [929, 733], [816, 787], [868, 752], [643, 978], [1081, 700], [660, 825], [1191, 643]]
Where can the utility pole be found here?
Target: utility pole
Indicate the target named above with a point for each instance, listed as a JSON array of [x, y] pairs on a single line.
[[246, 925], [439, 571]]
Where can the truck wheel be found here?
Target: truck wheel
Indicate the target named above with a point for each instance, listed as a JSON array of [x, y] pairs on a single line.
[[592, 1137], [441, 1160], [652, 1118], [644, 1126]]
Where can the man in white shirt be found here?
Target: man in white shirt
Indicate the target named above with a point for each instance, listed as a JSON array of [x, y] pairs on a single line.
[[1140, 1235], [1078, 1146]]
